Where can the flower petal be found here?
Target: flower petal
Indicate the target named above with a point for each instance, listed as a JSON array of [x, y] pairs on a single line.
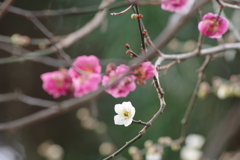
[[127, 104], [127, 122], [118, 120], [118, 108]]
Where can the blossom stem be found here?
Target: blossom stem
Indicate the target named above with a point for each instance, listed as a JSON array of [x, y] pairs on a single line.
[[140, 122]]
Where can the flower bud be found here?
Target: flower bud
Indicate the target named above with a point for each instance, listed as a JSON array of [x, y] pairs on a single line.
[[175, 147], [128, 51], [148, 144], [134, 16], [203, 90], [144, 32], [133, 150], [127, 46], [224, 91], [165, 140]]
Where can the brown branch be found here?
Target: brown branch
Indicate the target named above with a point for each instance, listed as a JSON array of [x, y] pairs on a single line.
[[33, 41], [4, 7], [50, 35], [122, 12], [228, 5], [124, 147], [167, 67], [232, 27], [160, 41], [204, 52], [70, 104], [26, 99], [192, 102], [66, 42], [139, 122], [69, 11]]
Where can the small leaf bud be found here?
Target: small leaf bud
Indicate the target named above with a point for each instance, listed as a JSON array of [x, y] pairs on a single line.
[[134, 16], [144, 32], [128, 51], [127, 46]]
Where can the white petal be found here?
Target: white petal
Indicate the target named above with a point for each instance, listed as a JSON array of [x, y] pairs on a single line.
[[118, 120], [118, 108], [127, 104], [132, 110], [127, 122]]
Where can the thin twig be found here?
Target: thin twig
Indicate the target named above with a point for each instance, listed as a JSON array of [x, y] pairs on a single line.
[[50, 35], [168, 66], [122, 12], [234, 30], [123, 147], [191, 104], [228, 4], [140, 28], [66, 42], [33, 41], [26, 99], [199, 44], [139, 122]]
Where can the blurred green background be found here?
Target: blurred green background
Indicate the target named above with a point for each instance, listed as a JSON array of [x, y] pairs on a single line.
[[82, 142]]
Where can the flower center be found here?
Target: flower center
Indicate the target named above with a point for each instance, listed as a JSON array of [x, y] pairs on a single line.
[[126, 114], [58, 81], [212, 25]]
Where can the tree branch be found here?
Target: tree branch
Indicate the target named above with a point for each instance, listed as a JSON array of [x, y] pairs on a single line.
[[69, 11], [4, 7]]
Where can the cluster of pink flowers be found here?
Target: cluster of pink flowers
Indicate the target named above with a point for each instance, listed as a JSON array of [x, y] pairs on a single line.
[[82, 78], [121, 89], [212, 25], [85, 76]]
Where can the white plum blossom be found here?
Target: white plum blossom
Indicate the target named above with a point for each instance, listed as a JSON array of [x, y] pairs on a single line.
[[191, 151], [188, 153], [195, 141], [125, 113]]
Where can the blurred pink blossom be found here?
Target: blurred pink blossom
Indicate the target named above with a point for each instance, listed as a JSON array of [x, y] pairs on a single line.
[[85, 64], [85, 84], [57, 83], [124, 86], [85, 73], [179, 6], [213, 26], [143, 72]]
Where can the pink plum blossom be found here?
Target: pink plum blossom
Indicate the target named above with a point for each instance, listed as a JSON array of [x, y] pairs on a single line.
[[85, 84], [85, 64], [213, 26], [85, 73], [57, 83], [179, 6], [143, 72], [124, 86]]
